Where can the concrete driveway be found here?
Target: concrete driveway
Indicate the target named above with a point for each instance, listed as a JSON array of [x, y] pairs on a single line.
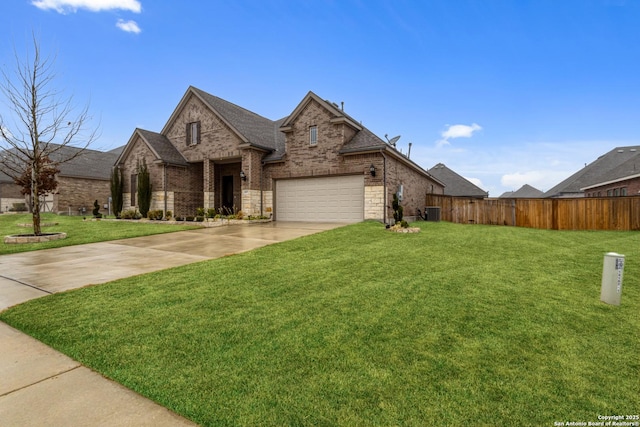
[[40, 386]]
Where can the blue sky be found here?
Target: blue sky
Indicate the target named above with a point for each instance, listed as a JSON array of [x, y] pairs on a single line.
[[504, 92]]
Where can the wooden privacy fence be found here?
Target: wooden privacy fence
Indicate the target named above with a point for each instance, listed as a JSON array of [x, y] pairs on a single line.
[[616, 213]]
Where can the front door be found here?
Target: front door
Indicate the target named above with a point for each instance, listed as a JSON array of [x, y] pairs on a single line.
[[227, 192]]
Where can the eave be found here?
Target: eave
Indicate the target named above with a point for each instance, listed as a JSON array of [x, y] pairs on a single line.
[[613, 181]]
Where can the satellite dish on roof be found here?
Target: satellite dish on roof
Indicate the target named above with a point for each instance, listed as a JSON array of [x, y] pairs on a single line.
[[393, 140]]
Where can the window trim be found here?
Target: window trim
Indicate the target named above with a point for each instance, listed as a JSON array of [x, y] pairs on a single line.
[[193, 130], [313, 135]]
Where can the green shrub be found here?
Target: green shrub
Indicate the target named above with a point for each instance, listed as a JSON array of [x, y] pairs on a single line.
[[169, 214], [130, 214], [144, 188], [200, 212], [96, 210], [397, 209], [19, 207], [155, 214], [199, 218], [117, 198], [211, 213], [189, 218]]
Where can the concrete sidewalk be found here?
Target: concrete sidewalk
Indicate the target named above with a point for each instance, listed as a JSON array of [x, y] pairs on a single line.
[[38, 385]]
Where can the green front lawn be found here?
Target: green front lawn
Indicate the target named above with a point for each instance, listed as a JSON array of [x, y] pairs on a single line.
[[79, 230], [358, 326]]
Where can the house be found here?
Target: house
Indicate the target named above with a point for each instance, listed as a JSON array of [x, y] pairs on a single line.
[[316, 164], [81, 181], [456, 185], [623, 180], [524, 192], [10, 194], [615, 173]]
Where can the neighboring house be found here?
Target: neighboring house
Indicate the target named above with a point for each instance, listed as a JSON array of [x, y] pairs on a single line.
[[623, 180], [615, 173], [81, 181], [9, 193], [524, 192], [456, 185], [317, 164]]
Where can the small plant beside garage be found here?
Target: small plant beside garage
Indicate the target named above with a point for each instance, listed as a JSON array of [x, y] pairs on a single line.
[[400, 225]]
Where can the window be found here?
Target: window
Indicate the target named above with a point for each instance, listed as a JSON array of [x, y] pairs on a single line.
[[313, 135], [193, 133], [623, 191], [616, 192]]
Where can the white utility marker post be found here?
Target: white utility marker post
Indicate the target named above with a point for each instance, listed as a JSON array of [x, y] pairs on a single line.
[[612, 278]]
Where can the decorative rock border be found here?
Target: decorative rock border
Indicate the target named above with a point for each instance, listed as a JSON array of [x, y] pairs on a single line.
[[31, 238], [405, 230]]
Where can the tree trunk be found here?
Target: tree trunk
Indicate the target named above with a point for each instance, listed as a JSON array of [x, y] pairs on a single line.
[[35, 200]]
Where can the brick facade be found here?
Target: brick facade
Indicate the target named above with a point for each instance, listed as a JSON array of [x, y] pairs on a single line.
[[628, 187], [75, 194], [212, 178]]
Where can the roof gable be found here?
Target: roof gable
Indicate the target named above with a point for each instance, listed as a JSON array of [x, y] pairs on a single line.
[[526, 192], [338, 115], [158, 144], [251, 128], [455, 184]]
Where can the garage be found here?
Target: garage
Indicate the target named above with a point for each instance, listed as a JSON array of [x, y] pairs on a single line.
[[328, 199]]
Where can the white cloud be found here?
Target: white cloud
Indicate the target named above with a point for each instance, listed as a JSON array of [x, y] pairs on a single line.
[[66, 6], [541, 179], [458, 131], [475, 181], [128, 26]]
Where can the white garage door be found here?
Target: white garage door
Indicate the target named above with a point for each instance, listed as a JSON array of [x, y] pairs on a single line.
[[330, 199]]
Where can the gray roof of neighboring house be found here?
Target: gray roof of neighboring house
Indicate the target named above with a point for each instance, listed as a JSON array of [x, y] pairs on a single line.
[[89, 163], [456, 185], [117, 151], [525, 192], [606, 168], [625, 170]]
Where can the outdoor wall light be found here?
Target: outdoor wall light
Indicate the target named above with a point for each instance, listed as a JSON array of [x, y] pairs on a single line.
[[243, 176], [372, 170]]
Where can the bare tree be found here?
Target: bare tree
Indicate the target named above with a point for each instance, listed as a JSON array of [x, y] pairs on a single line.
[[44, 122]]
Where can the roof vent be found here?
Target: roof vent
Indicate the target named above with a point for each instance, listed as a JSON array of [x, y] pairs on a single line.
[[620, 151], [633, 150]]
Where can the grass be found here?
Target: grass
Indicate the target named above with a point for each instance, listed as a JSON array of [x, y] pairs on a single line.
[[79, 231], [456, 325]]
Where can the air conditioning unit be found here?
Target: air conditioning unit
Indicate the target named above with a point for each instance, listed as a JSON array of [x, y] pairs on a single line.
[[432, 213]]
